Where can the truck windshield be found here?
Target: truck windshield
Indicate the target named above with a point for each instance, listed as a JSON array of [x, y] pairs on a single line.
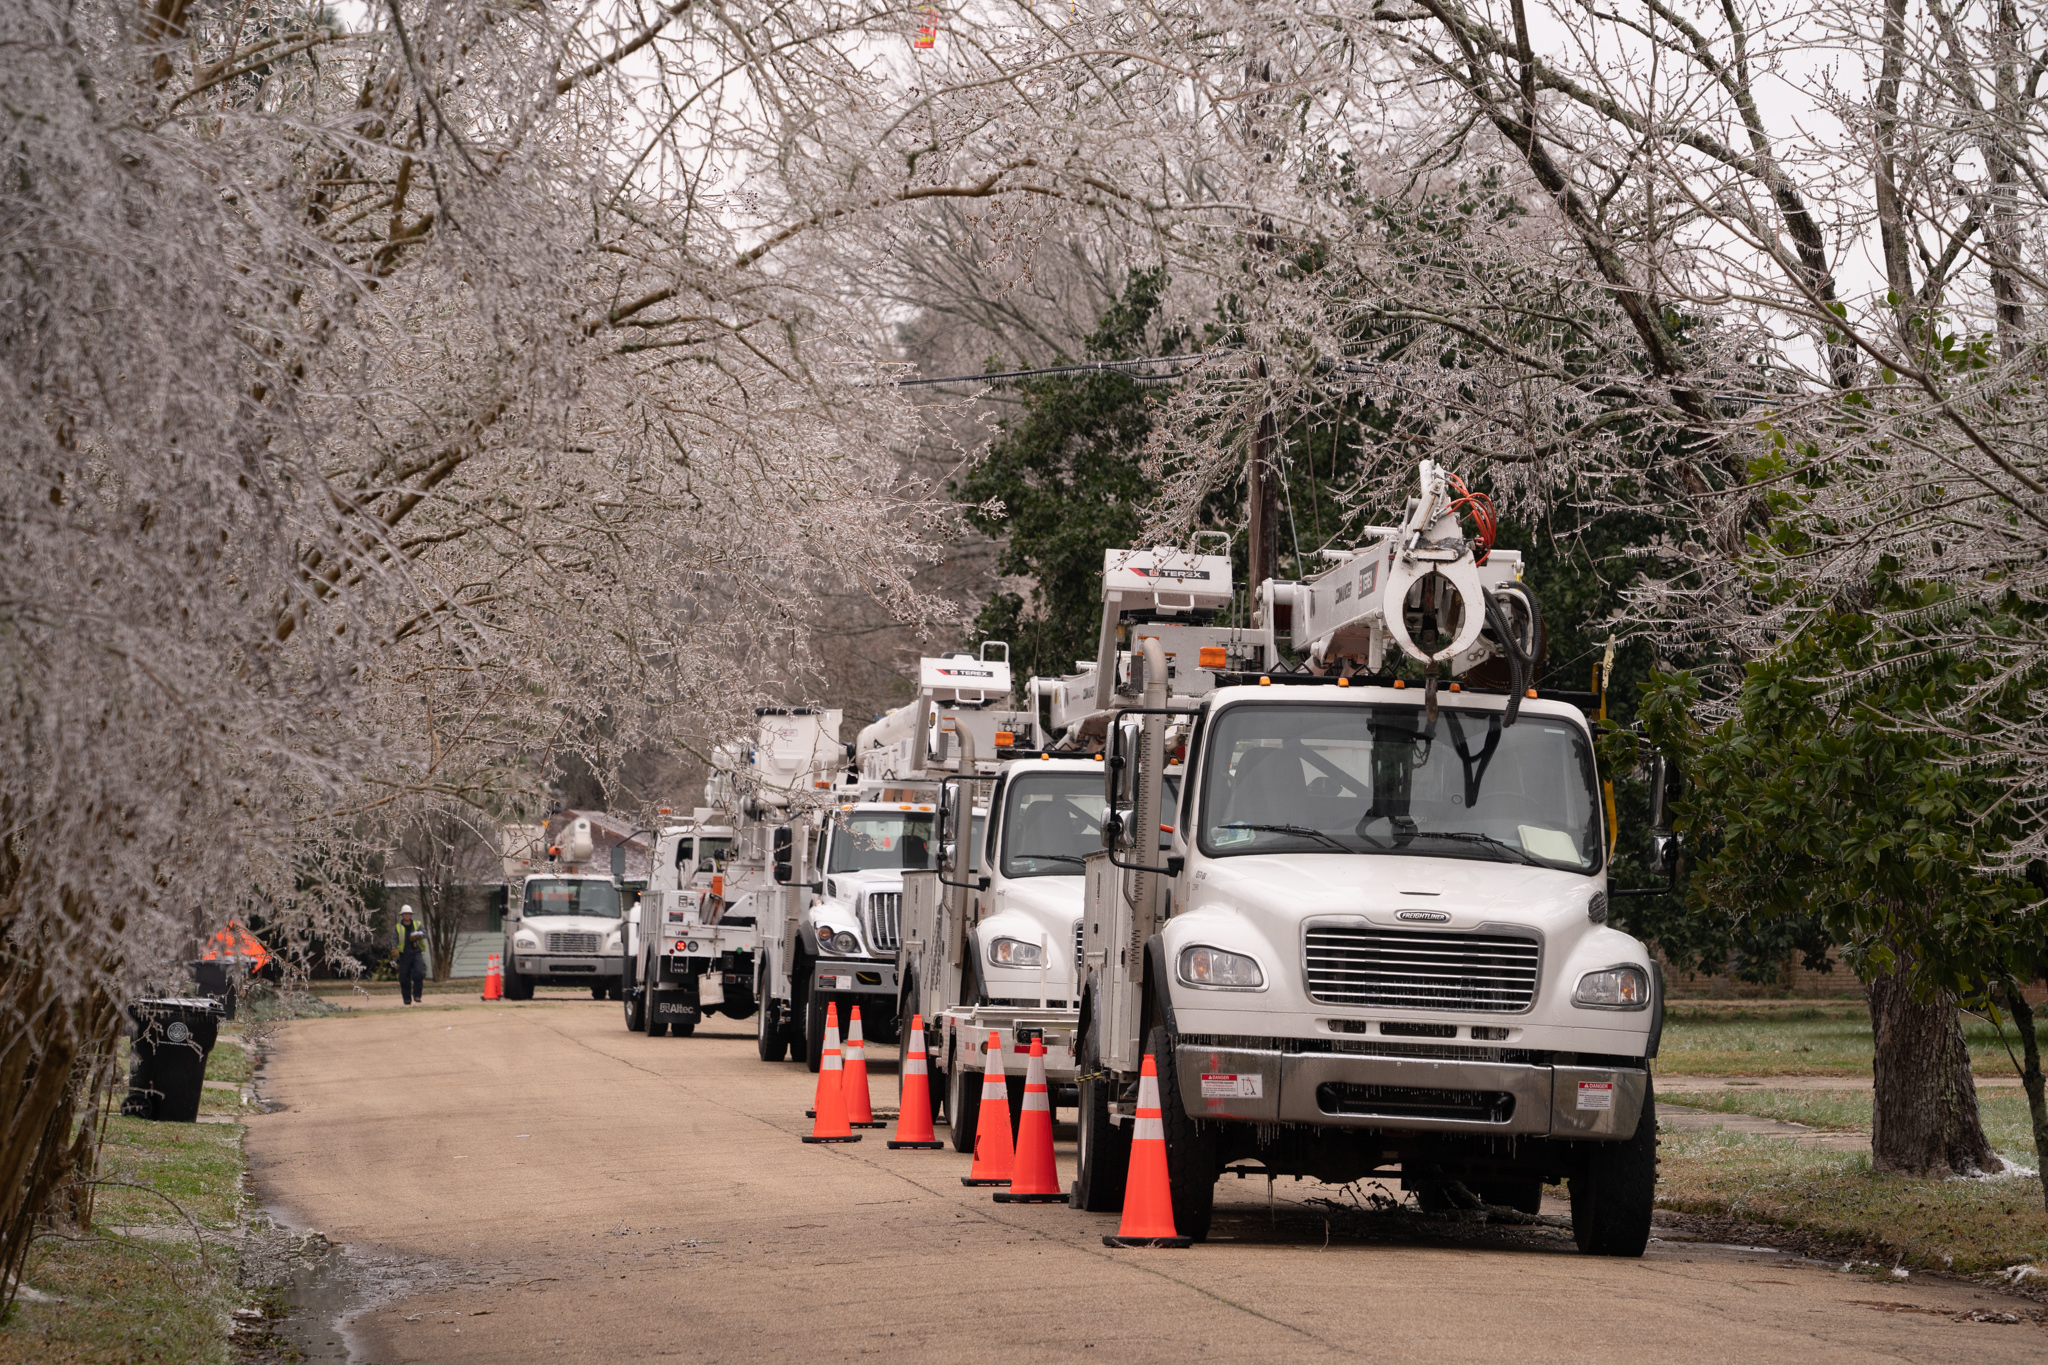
[[1051, 823], [712, 854], [868, 841], [1376, 779], [598, 900]]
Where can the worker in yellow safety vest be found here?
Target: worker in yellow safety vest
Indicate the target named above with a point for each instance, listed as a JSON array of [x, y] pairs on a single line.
[[412, 958]]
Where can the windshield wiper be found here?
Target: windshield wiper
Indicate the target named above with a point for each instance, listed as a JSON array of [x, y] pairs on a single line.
[[1474, 836], [1053, 857], [1302, 830]]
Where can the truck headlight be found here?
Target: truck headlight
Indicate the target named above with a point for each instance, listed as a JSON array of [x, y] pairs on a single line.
[[1213, 968], [526, 943], [1015, 952], [1613, 988], [839, 941]]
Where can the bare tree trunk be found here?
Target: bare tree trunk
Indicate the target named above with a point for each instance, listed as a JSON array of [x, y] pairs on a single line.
[[1923, 1113], [2030, 1074]]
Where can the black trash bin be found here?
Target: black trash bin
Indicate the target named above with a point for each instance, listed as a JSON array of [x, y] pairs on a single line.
[[172, 1040], [215, 978]]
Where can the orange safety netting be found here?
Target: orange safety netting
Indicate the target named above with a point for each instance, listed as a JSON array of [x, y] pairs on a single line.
[[235, 941]]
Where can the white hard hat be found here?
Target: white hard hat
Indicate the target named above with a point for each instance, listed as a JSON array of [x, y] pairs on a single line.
[[407, 910]]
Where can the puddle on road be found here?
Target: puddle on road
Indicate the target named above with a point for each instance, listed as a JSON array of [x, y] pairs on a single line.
[[319, 1290], [325, 1287]]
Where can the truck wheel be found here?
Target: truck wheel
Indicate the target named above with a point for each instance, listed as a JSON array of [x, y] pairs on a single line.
[[517, 986], [963, 1105], [769, 1039], [636, 1008], [1191, 1166], [1613, 1194], [597, 990], [681, 1028], [656, 1028], [1105, 1147], [814, 1031]]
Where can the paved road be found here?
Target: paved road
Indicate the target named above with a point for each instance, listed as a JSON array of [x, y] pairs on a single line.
[[582, 1193]]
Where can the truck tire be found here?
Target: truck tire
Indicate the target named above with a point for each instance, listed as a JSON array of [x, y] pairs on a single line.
[[681, 1028], [517, 986], [636, 1011], [814, 1031], [656, 1028], [597, 990], [1105, 1147], [771, 1041], [963, 1105], [1191, 1166], [1614, 1193]]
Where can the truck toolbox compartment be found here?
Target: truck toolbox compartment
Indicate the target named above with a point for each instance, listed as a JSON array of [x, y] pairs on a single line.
[[1596, 1102], [1229, 1083]]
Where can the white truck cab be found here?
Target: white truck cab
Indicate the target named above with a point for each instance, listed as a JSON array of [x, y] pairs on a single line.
[[841, 947], [992, 939], [564, 929]]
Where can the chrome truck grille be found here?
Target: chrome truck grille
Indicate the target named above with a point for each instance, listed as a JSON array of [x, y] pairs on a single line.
[[572, 943], [885, 921], [1399, 969]]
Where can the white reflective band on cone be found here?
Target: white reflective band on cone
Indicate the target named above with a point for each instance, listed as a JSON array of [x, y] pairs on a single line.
[[914, 1066], [1035, 1099], [1148, 1129], [1148, 1094]]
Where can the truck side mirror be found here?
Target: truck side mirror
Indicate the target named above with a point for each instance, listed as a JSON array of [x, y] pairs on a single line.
[[1659, 774], [619, 861], [785, 855]]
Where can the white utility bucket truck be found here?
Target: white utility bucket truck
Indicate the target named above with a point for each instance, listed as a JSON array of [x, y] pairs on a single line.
[[992, 940], [566, 927], [843, 922], [1378, 936], [695, 923]]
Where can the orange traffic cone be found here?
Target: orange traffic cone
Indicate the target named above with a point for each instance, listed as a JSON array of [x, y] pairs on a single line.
[[914, 1104], [859, 1113], [993, 1155], [830, 1105], [1148, 1198], [1036, 1179], [494, 980]]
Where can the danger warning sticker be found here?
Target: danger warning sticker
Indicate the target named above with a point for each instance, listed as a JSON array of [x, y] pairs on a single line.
[[1596, 1094], [1217, 1086]]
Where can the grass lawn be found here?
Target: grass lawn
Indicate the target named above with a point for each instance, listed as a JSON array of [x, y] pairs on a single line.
[[139, 1288], [2004, 1112], [1970, 1226], [1748, 1039]]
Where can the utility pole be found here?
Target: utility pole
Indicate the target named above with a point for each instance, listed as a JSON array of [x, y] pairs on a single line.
[[1262, 487]]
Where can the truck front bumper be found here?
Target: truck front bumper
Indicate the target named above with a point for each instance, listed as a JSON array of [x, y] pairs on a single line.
[[1410, 1094], [570, 967], [854, 976]]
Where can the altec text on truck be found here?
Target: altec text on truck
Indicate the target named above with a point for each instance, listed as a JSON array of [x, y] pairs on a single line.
[[1378, 939]]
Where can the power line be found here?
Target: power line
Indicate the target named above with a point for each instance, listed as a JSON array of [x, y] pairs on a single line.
[[1091, 367]]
